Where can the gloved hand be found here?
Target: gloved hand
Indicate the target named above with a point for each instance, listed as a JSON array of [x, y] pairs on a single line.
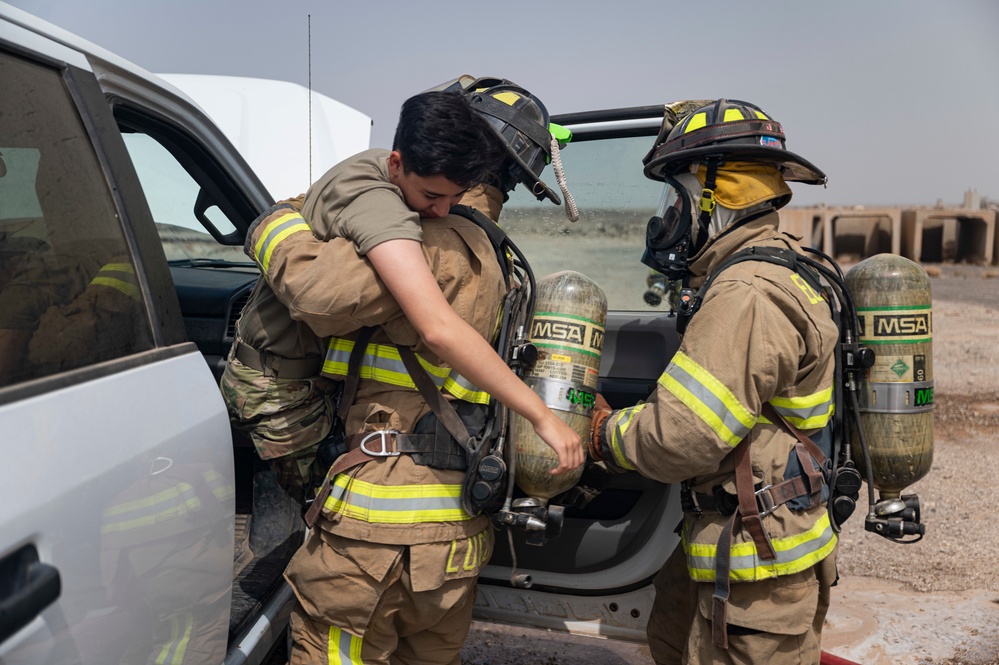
[[601, 410]]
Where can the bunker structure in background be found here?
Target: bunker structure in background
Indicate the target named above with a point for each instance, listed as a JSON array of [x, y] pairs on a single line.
[[938, 234]]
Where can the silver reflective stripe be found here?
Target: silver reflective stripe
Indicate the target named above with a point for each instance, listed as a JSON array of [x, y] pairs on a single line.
[[343, 648], [167, 504], [709, 400], [405, 504], [805, 417], [908, 397], [382, 362], [568, 396]]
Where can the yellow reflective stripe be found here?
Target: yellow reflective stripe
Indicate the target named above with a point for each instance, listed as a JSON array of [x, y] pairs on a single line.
[[218, 485], [273, 233], [794, 554], [733, 114], [130, 290], [621, 424], [174, 650], [382, 362], [342, 648], [761, 115], [120, 277], [696, 121], [395, 504], [165, 505], [806, 411], [707, 397]]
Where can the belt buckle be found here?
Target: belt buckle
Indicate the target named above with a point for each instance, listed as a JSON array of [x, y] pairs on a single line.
[[381, 435], [765, 501]]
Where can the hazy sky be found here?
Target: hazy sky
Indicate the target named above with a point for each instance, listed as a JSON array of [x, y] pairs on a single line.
[[897, 101]]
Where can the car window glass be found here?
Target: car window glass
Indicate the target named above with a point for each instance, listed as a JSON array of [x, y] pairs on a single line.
[[615, 202], [69, 293], [174, 199]]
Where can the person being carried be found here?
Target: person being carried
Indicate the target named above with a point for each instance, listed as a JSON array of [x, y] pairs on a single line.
[[388, 573], [376, 199], [754, 370]]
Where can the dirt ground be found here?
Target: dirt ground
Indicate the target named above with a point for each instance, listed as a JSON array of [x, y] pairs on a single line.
[[935, 602]]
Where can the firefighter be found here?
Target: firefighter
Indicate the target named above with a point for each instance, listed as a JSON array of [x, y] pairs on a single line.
[[272, 381], [388, 573], [756, 364]]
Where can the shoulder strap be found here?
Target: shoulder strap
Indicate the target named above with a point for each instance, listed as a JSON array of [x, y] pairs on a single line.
[[497, 236], [777, 255]]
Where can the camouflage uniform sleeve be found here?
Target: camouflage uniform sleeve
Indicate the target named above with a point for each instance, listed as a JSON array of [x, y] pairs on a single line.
[[325, 284], [735, 352]]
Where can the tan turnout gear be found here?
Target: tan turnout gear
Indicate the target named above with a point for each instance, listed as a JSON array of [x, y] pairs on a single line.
[[762, 335], [392, 562], [272, 382]]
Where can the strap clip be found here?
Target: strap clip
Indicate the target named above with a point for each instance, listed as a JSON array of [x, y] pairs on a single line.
[[381, 435], [765, 500], [707, 201]]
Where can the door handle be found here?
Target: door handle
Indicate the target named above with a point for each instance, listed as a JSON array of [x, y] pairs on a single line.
[[28, 587]]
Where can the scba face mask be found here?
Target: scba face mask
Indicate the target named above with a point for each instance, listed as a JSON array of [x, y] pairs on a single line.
[[670, 236]]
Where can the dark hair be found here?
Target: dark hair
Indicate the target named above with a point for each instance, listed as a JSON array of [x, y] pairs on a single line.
[[440, 134]]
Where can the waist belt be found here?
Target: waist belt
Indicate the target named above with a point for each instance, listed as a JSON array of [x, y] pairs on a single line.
[[767, 498], [277, 366]]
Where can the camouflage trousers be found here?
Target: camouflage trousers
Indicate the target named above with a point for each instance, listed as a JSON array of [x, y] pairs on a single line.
[[285, 418]]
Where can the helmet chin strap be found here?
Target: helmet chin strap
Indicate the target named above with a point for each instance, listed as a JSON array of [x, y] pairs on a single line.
[[706, 204]]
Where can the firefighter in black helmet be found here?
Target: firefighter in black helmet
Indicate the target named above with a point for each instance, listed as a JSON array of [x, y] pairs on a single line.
[[756, 364], [388, 572]]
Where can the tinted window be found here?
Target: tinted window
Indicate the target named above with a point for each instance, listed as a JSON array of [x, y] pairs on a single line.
[[194, 217], [69, 293], [615, 202]]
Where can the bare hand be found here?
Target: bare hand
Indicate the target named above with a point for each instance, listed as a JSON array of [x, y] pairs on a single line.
[[563, 440]]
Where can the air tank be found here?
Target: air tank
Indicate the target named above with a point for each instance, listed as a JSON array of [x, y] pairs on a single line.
[[893, 300], [570, 313]]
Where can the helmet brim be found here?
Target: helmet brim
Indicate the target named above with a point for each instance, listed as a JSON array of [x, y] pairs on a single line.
[[794, 168]]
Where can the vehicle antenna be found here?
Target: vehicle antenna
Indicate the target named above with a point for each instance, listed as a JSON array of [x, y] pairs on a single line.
[[310, 94]]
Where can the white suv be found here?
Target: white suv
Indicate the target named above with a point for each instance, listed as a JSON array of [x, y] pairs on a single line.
[[133, 524]]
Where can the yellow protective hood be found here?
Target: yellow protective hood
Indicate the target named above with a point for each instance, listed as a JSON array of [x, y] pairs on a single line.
[[740, 185]]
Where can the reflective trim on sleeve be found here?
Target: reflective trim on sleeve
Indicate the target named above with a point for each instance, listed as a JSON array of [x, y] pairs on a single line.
[[807, 411], [272, 235], [120, 277], [395, 504], [381, 362], [707, 397], [342, 648], [617, 430], [794, 554]]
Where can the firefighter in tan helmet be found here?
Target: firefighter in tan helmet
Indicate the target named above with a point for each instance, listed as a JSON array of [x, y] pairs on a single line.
[[754, 369]]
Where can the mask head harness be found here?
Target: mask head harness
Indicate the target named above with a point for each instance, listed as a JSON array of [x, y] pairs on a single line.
[[713, 133]]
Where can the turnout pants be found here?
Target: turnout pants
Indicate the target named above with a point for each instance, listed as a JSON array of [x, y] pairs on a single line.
[[362, 602], [773, 622]]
